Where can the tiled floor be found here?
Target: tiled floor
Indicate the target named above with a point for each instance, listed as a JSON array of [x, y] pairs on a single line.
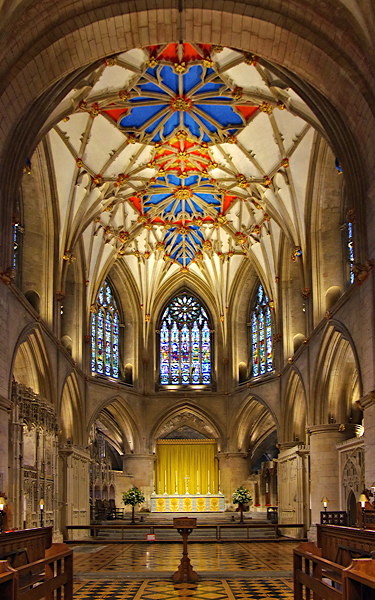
[[232, 571]]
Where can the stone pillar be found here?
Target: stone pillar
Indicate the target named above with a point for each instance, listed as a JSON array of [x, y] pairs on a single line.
[[367, 404], [141, 468], [293, 486], [234, 471], [5, 406], [324, 478]]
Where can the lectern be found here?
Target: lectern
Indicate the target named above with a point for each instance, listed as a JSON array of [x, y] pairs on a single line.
[[185, 572]]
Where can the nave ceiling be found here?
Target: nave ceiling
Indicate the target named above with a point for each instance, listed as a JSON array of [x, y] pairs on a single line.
[[182, 158]]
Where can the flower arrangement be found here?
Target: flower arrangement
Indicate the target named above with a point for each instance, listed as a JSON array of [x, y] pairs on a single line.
[[241, 496], [133, 497]]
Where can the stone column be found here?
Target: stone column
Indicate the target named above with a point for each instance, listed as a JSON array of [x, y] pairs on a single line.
[[141, 468], [5, 406], [324, 476], [367, 404], [234, 471]]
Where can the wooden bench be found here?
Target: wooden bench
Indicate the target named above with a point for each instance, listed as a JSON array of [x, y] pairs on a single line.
[[35, 569], [332, 570]]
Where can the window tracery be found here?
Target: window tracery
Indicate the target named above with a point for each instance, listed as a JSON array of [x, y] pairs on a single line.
[[105, 334], [185, 343], [261, 335]]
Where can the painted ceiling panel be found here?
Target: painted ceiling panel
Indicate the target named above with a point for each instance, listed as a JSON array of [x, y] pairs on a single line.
[[182, 157]]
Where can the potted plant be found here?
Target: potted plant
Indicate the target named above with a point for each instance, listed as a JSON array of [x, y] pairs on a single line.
[[134, 496], [242, 497]]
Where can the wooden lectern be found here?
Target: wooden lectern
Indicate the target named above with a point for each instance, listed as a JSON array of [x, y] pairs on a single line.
[[185, 572]]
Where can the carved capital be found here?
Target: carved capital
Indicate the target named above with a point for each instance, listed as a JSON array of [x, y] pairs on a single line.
[[345, 428]]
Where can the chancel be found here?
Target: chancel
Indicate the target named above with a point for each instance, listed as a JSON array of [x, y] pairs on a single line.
[[187, 268]]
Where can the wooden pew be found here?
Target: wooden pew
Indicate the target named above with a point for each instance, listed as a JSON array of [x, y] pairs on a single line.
[[332, 570], [32, 568], [342, 544]]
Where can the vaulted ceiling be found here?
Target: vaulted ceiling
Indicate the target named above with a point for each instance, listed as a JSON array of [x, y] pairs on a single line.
[[182, 157]]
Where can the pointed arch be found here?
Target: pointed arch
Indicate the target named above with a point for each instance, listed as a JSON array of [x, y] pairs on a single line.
[[31, 366], [105, 323], [253, 424], [261, 338], [71, 422], [294, 413], [186, 414], [120, 423], [185, 342], [337, 384]]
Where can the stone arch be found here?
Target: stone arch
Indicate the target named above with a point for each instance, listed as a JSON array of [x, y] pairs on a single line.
[[186, 414], [326, 200], [167, 295], [337, 384], [254, 423], [31, 366], [327, 68], [119, 419], [294, 413], [71, 422]]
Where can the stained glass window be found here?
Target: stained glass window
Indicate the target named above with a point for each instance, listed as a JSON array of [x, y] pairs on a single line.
[[185, 343], [350, 250], [261, 335], [17, 231], [105, 334]]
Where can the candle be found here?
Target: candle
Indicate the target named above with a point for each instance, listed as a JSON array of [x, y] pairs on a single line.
[[176, 482], [208, 480], [165, 480]]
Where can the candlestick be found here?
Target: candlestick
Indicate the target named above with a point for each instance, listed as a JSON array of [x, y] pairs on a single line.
[[208, 478], [165, 482], [175, 487]]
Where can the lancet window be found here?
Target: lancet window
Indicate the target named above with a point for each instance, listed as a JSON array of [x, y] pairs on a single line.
[[261, 335], [105, 334], [185, 343], [350, 250]]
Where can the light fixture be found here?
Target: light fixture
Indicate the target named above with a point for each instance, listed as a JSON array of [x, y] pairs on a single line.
[[363, 499], [41, 507], [2, 512], [325, 502]]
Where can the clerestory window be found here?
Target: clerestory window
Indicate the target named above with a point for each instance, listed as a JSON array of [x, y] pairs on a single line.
[[261, 335], [105, 334], [185, 343]]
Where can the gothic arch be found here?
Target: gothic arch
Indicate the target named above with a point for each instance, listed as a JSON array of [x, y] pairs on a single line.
[[252, 425], [121, 421], [337, 384], [294, 413], [31, 366], [325, 218], [71, 421], [186, 414]]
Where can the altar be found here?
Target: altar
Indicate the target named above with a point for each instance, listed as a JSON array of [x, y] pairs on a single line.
[[186, 477], [187, 503]]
